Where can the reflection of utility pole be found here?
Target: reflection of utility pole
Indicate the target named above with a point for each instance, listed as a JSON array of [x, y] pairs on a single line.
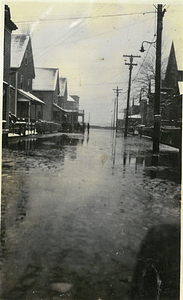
[[129, 87], [114, 113], [117, 94], [158, 81]]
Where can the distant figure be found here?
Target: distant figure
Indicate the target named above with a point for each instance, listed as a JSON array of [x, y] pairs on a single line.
[[88, 128]]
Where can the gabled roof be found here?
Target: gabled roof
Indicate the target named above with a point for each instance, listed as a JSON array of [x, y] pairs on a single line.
[[178, 46], [7, 17], [45, 79], [62, 85], [19, 44]]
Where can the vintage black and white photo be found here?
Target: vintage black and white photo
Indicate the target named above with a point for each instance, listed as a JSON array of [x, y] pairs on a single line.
[[91, 150]]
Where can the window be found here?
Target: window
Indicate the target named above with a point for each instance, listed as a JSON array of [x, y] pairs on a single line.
[[28, 85], [26, 57], [21, 81]]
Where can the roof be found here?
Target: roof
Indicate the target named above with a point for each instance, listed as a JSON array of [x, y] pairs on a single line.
[[65, 110], [75, 97], [135, 117], [45, 79], [62, 85], [30, 96], [8, 22], [70, 99], [19, 44], [178, 46], [180, 84]]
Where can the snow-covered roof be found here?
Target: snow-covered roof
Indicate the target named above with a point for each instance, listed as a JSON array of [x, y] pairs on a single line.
[[45, 79], [19, 44], [178, 46], [70, 99], [180, 84], [62, 85], [30, 96], [65, 110]]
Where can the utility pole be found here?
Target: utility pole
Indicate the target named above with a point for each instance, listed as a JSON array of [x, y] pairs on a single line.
[[117, 94], [157, 100], [129, 88]]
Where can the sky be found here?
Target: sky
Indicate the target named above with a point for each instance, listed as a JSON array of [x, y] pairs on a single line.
[[87, 41]]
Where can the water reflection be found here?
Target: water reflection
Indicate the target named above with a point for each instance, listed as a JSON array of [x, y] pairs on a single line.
[[113, 150], [55, 239], [137, 160], [34, 146], [124, 162]]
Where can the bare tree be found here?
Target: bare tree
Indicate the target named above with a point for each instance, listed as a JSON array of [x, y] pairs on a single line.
[[145, 78]]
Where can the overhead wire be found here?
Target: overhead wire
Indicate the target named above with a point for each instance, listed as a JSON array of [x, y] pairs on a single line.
[[63, 36], [103, 33], [70, 32], [88, 17]]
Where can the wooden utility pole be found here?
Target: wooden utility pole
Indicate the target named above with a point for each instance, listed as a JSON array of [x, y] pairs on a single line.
[[157, 100], [117, 95], [129, 88]]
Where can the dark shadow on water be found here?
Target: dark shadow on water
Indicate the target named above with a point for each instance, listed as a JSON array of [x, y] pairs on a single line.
[[157, 272]]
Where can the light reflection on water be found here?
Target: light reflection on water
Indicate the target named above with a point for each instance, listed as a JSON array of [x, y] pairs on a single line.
[[82, 212], [132, 153]]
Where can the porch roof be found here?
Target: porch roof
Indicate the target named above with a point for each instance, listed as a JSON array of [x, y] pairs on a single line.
[[29, 97], [65, 110]]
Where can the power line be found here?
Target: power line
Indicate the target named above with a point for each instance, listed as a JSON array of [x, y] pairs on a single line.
[[70, 32], [86, 17]]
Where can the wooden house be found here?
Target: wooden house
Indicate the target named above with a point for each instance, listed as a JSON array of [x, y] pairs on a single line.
[[23, 103], [9, 26]]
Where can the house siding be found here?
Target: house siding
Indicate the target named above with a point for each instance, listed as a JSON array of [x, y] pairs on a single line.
[[9, 26], [47, 97], [19, 79], [7, 51]]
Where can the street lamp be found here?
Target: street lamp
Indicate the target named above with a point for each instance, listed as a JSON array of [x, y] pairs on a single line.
[[157, 117], [142, 46]]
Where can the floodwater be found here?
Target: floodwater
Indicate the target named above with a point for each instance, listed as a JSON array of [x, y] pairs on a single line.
[[75, 210]]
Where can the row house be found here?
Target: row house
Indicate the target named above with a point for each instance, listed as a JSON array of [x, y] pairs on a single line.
[[30, 93], [46, 86], [52, 89], [63, 92], [80, 111], [23, 104], [9, 26]]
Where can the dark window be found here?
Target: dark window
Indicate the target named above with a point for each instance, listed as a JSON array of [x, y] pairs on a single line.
[[21, 81], [26, 57], [28, 85]]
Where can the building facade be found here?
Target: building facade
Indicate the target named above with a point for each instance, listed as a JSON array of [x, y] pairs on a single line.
[[23, 104], [9, 26]]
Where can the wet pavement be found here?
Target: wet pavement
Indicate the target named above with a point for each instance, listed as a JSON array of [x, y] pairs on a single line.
[[75, 210]]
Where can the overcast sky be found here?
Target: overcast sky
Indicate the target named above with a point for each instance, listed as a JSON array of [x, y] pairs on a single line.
[[87, 41]]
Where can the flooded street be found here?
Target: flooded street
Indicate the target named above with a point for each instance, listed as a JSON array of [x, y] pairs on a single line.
[[75, 210]]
